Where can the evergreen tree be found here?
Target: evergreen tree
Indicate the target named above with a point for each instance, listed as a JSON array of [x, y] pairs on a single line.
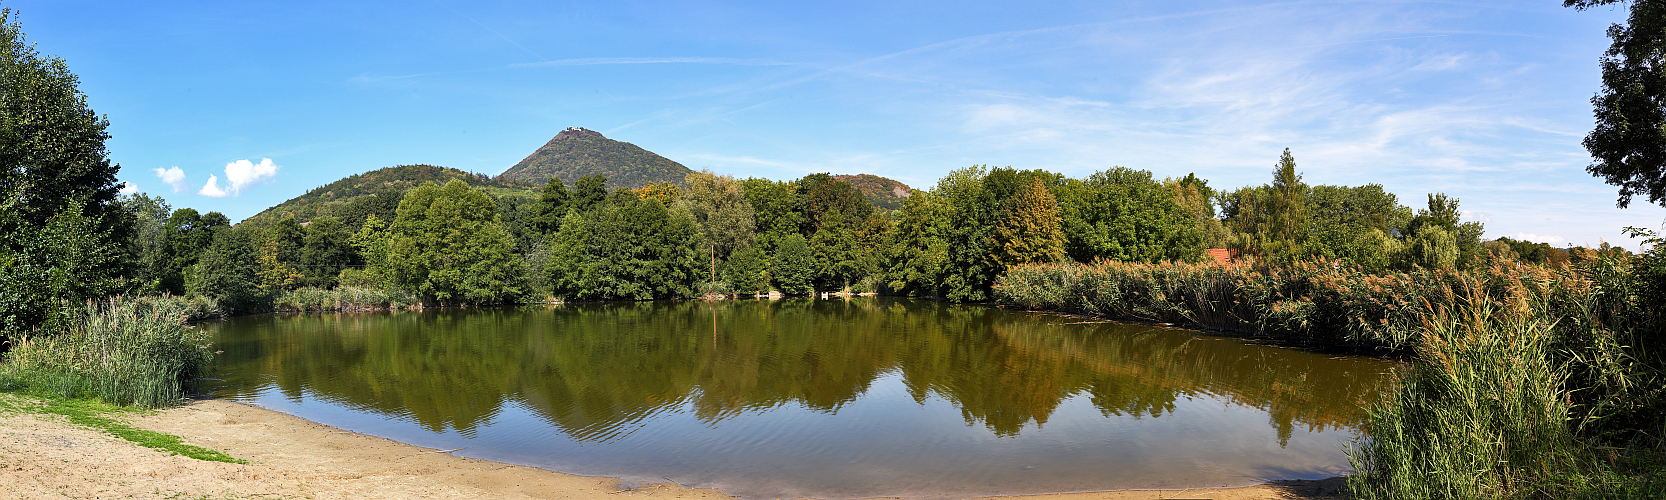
[[1029, 229], [1286, 231]]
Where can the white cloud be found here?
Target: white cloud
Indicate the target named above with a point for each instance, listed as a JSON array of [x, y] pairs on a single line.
[[173, 176], [239, 174], [212, 189], [1553, 240], [1475, 215], [128, 188]]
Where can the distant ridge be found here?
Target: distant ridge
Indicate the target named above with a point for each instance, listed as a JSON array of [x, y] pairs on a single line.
[[577, 152], [881, 192], [331, 198]]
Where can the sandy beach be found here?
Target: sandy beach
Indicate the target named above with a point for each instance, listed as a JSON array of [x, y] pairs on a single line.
[[43, 456]]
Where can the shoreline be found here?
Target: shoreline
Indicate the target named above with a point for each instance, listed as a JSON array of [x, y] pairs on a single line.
[[291, 457]]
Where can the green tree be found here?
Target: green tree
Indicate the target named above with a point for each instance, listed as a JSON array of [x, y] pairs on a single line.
[[1350, 223], [720, 210], [1443, 213], [1198, 199], [626, 248], [281, 252], [448, 246], [546, 214], [57, 190], [1029, 229], [145, 250], [1433, 248], [775, 208], [1628, 145], [588, 191], [188, 234], [917, 248], [968, 267], [795, 266], [327, 251], [1123, 214], [229, 267], [747, 271], [371, 242]]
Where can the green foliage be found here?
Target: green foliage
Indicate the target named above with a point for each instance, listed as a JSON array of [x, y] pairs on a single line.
[[96, 416], [747, 271], [1029, 229], [967, 267], [1272, 219], [1433, 248], [1628, 147], [145, 250], [575, 153], [1122, 214], [588, 192], [121, 351], [545, 216], [45, 268], [229, 267], [376, 192], [775, 208], [326, 252], [448, 246], [58, 218], [916, 249], [721, 211], [795, 266], [1443, 213], [626, 248]]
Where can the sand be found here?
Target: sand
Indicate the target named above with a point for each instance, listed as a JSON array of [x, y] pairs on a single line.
[[43, 456]]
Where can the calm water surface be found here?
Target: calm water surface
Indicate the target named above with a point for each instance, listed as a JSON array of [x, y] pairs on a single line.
[[831, 399]]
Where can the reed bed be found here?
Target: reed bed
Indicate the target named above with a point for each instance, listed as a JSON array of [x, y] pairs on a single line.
[[343, 298], [1523, 381], [136, 352]]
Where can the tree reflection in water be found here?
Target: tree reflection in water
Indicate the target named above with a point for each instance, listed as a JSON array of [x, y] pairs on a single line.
[[598, 371]]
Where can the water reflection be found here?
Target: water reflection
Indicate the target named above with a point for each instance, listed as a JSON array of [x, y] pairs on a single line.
[[601, 372]]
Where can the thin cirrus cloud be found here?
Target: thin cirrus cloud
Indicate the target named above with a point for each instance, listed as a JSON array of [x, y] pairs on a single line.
[[239, 174]]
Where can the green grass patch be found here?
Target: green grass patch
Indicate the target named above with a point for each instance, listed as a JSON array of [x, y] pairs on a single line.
[[98, 416]]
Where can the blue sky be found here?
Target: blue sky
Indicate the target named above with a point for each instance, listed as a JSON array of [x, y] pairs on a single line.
[[237, 106]]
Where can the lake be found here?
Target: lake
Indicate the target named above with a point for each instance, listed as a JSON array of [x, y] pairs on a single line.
[[818, 398]]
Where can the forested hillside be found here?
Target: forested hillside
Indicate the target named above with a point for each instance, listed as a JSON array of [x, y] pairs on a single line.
[[577, 152], [377, 191], [882, 192]]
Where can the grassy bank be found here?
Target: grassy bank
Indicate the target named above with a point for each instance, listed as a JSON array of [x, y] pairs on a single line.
[[1525, 381]]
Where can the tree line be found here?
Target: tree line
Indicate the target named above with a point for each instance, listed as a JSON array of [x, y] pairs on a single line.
[[714, 234]]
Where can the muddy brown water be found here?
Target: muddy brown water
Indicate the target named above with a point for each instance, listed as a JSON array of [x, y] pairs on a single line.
[[815, 398]]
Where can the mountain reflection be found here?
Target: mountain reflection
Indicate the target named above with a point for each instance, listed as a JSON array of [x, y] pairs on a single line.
[[597, 371]]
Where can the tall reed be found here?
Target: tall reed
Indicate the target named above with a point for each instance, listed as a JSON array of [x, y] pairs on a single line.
[[1480, 413], [125, 351]]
